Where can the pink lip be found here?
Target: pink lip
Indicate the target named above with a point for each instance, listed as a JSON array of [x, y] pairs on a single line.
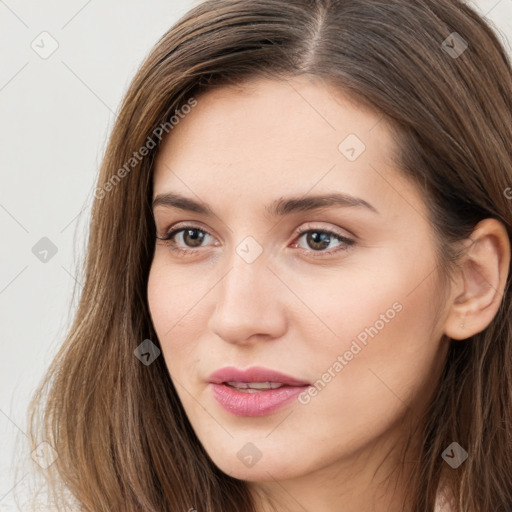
[[242, 403]]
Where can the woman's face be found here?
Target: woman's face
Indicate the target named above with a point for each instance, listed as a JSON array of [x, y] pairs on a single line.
[[352, 306]]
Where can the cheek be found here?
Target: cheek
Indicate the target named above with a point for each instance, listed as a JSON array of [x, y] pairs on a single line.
[[174, 305], [386, 355]]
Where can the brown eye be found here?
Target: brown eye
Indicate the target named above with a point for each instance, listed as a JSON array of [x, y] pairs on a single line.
[[317, 240], [185, 239], [193, 237]]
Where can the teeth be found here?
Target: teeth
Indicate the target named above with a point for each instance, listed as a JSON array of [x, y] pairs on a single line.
[[252, 387]]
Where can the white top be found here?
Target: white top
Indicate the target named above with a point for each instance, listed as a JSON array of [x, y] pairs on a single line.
[[444, 501]]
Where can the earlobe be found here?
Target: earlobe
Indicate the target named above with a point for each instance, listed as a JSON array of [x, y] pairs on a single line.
[[480, 280]]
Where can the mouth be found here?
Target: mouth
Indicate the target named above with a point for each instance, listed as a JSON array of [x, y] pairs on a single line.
[[254, 387], [254, 392], [256, 377]]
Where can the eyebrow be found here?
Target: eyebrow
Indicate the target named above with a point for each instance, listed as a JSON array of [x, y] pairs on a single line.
[[278, 208]]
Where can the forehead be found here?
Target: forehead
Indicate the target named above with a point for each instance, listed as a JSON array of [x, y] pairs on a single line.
[[302, 117], [265, 137]]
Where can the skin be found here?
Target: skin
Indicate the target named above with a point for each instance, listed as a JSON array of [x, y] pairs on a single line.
[[238, 150]]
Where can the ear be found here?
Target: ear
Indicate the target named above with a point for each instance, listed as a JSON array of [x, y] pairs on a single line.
[[480, 281]]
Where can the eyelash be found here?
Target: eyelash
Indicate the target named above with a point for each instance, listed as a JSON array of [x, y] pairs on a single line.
[[168, 240]]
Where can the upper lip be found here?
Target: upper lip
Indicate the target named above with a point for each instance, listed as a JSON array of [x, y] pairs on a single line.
[[253, 374]]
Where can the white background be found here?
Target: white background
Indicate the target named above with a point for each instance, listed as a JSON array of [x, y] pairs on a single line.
[[55, 118]]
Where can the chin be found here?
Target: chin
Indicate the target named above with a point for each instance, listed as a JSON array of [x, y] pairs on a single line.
[[269, 467]]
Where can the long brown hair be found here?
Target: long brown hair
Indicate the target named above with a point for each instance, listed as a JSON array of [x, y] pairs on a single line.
[[123, 440]]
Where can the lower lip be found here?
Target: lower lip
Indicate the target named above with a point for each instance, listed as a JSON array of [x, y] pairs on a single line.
[[241, 403]]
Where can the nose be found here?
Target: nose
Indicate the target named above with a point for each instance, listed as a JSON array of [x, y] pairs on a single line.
[[249, 306]]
